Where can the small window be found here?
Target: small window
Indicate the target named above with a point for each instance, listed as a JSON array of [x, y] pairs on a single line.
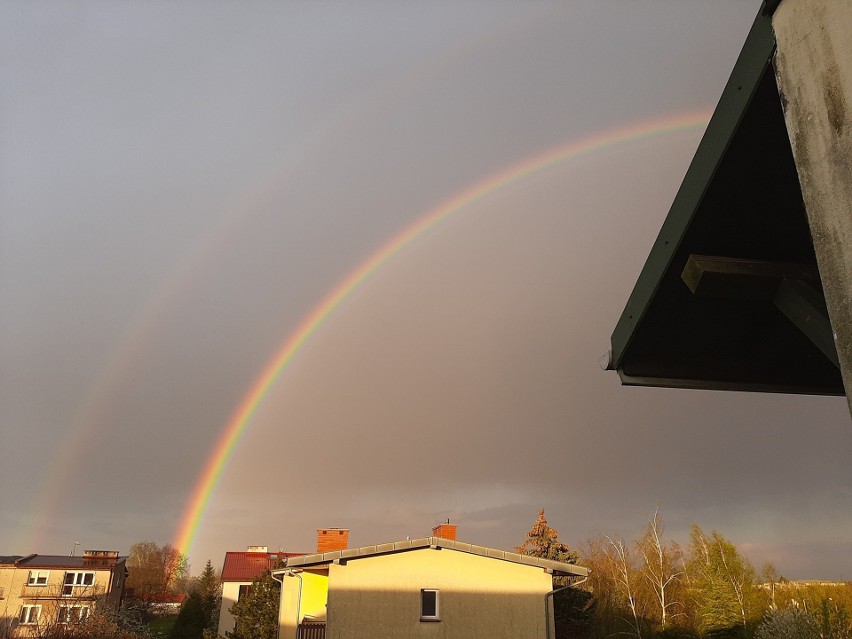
[[29, 615], [429, 610], [245, 591], [73, 614], [38, 577]]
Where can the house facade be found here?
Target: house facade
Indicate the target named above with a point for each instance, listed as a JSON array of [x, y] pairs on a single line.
[[419, 588], [40, 592], [238, 572]]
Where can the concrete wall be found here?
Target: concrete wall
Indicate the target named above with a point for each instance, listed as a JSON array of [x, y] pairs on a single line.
[[813, 67], [13, 582], [479, 597], [230, 594]]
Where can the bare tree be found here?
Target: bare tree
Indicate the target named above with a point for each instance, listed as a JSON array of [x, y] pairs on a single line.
[[619, 557], [662, 567], [770, 574]]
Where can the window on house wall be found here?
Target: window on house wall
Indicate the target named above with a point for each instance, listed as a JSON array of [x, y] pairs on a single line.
[[77, 580], [245, 590], [73, 614], [429, 609], [38, 577], [29, 615]]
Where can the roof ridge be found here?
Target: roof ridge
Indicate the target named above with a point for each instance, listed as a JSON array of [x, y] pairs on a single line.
[[434, 542]]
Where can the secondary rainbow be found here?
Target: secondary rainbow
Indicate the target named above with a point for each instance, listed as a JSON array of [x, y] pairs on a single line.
[[236, 426]]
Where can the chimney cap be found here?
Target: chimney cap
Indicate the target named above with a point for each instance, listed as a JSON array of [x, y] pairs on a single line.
[[445, 530], [257, 549]]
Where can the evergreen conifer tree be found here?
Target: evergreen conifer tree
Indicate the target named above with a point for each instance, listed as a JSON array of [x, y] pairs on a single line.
[[543, 541], [256, 613], [200, 611]]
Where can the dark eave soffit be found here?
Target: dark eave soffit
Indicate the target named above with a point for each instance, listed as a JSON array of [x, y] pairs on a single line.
[[729, 297]]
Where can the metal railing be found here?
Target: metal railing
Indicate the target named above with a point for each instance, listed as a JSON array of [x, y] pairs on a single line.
[[311, 630], [62, 591]]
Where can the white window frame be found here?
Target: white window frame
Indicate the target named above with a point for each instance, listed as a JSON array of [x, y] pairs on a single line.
[[82, 614], [78, 579], [38, 578], [437, 613], [29, 615]]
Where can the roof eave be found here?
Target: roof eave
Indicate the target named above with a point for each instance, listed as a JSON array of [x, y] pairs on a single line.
[[308, 561], [745, 78]]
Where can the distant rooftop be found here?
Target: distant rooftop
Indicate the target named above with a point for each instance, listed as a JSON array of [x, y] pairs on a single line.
[[248, 565], [108, 560]]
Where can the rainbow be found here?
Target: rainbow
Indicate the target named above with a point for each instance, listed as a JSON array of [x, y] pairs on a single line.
[[239, 421]]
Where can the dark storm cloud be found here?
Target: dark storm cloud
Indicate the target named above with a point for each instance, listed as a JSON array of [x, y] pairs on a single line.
[[182, 184]]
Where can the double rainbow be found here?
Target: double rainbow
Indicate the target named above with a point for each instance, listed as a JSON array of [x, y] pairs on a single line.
[[205, 486]]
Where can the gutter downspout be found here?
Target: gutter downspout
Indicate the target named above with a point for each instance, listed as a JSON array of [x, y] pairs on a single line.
[[547, 608], [292, 572]]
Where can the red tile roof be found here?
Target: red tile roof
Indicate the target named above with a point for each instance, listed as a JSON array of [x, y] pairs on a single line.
[[246, 566]]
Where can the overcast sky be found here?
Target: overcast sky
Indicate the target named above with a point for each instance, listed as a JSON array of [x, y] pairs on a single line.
[[182, 183]]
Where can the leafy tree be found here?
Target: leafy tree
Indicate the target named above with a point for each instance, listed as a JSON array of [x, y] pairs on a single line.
[[200, 611], [609, 613], [256, 614], [707, 591], [827, 603], [789, 623], [833, 619], [154, 570], [722, 583], [543, 541]]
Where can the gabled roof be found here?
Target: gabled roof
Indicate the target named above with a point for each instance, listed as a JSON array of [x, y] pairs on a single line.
[[556, 567], [247, 566], [730, 297]]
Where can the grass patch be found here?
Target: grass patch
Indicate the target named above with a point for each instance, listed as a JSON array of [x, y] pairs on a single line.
[[162, 626]]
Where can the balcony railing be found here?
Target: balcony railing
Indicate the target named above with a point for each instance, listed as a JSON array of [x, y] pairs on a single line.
[[62, 591], [311, 630]]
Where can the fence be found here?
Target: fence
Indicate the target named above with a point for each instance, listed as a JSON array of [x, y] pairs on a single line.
[[311, 630]]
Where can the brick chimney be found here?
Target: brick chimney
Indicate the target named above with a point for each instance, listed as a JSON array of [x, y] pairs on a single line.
[[445, 531], [329, 539]]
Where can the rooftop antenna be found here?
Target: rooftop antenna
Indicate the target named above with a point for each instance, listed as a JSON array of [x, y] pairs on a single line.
[[74, 549]]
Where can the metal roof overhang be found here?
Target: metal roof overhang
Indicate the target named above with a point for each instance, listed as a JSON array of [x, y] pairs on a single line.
[[730, 297]]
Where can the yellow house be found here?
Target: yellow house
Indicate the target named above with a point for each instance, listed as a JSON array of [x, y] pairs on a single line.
[[41, 592], [425, 588]]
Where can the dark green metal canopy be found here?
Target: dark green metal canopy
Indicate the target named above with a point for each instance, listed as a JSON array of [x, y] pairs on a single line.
[[730, 297]]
